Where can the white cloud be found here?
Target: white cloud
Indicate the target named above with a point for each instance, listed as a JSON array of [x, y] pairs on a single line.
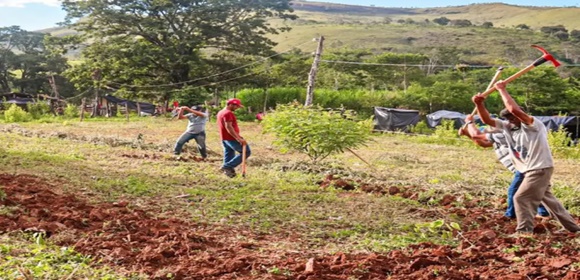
[[22, 3]]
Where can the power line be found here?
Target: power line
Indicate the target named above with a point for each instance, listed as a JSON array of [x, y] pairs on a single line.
[[403, 65], [425, 65], [214, 75], [217, 83]]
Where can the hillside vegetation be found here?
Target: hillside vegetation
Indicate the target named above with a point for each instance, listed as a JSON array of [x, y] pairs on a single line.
[[379, 30]]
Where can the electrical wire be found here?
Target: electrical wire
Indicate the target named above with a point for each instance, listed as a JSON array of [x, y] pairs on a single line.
[[217, 83], [213, 75], [424, 65]]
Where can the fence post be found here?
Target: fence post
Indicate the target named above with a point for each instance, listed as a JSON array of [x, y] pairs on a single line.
[[312, 75], [83, 108], [127, 110]]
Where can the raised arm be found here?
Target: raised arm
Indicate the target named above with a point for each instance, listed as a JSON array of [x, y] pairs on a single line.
[[474, 134], [479, 101], [185, 108], [511, 105]]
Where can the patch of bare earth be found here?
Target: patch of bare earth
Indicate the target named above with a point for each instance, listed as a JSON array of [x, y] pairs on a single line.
[[135, 240]]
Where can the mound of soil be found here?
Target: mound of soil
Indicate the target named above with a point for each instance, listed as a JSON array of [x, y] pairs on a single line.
[[137, 240]]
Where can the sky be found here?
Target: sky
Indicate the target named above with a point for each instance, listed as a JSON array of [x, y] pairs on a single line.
[[40, 14]]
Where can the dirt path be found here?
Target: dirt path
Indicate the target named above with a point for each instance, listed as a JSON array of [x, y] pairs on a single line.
[[136, 240]]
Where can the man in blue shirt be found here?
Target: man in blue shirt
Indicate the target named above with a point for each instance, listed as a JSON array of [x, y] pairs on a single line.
[[197, 117]]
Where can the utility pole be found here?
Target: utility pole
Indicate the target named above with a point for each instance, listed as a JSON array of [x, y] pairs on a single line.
[[313, 70]]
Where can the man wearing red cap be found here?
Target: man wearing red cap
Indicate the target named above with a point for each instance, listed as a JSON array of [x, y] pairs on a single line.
[[232, 141]]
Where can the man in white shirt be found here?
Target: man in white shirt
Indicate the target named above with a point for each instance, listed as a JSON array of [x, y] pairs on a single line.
[[528, 142]]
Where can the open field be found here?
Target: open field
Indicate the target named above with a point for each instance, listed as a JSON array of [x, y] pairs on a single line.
[[111, 191]]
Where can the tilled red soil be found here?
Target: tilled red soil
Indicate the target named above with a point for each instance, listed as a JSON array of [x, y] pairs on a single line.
[[133, 239]]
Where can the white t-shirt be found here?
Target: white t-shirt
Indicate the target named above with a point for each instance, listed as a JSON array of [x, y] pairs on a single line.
[[528, 145]]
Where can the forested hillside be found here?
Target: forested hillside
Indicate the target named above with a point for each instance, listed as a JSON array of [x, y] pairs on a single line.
[[425, 59]]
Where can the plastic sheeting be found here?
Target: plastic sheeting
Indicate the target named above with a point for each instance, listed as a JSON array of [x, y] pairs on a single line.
[[145, 107], [389, 119], [436, 118]]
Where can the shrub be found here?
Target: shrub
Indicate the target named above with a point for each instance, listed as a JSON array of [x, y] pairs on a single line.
[[71, 111], [16, 114], [442, 21], [522, 27], [38, 109], [447, 133], [559, 142], [487, 24], [316, 132], [421, 128], [575, 34]]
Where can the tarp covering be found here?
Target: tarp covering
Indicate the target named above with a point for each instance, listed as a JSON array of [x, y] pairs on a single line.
[[435, 119], [570, 123], [555, 122], [18, 100], [388, 119], [145, 107]]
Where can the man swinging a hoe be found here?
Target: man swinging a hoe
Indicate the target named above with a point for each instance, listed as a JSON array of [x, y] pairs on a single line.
[[527, 139]]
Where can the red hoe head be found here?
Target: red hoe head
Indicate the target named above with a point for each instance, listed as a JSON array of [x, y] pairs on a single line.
[[546, 57]]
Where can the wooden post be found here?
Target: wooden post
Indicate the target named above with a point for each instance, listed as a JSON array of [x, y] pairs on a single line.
[[83, 104], [96, 75], [54, 104], [265, 101], [127, 110], [312, 75], [138, 109]]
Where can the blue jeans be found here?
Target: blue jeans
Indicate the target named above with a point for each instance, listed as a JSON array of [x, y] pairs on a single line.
[[515, 184], [231, 159], [186, 137]]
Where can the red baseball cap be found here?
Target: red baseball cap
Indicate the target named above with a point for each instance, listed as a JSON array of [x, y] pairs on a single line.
[[235, 101]]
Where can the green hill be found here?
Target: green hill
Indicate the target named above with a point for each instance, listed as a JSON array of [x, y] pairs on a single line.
[[412, 30]]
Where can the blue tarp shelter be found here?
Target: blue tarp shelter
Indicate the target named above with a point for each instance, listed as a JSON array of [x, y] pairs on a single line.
[[570, 123], [436, 118], [17, 98], [145, 107]]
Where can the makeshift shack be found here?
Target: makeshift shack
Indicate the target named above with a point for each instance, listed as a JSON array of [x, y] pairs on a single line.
[[21, 99], [436, 118], [389, 119], [143, 108]]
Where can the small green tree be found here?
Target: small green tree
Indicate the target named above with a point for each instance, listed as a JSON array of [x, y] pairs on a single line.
[[316, 132]]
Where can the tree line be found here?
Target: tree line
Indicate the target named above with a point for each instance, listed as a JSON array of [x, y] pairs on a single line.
[[189, 51]]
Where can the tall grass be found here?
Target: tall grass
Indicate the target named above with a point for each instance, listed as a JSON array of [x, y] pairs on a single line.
[[360, 100]]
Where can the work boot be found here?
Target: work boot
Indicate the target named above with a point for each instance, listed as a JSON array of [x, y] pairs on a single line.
[[230, 172]]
